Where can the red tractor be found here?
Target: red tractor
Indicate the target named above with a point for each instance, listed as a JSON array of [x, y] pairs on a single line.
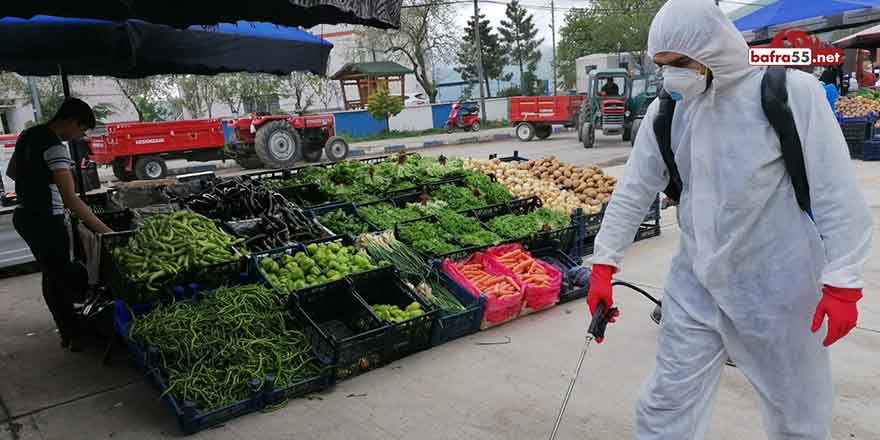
[[278, 141], [140, 150]]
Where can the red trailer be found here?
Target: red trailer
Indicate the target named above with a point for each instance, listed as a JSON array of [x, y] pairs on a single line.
[[139, 150], [535, 115]]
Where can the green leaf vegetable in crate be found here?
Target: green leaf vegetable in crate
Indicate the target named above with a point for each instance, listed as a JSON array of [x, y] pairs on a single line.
[[415, 272], [394, 314], [512, 226], [427, 238], [458, 197], [212, 349], [169, 244], [386, 215], [467, 230], [341, 222], [492, 193]]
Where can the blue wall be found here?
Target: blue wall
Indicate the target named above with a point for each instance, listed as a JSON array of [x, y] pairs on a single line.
[[358, 123], [440, 112]]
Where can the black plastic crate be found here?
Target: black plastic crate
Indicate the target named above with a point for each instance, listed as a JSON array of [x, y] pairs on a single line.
[[856, 131], [342, 329], [515, 158], [871, 150], [306, 196], [250, 228], [449, 326], [386, 287], [856, 149], [564, 263], [122, 220], [487, 213]]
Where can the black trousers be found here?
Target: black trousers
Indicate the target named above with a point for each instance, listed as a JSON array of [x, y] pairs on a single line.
[[46, 236]]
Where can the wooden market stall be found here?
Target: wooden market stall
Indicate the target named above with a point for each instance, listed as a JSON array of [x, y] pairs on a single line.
[[367, 78]]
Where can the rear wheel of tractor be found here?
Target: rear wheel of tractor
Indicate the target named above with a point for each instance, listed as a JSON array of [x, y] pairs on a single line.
[[313, 153], [579, 131], [336, 149], [476, 126], [635, 131], [588, 135], [150, 168], [249, 162], [525, 131], [543, 131], [278, 145]]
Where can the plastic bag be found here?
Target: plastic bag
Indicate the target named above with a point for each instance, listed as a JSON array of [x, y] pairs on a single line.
[[536, 297], [497, 310]]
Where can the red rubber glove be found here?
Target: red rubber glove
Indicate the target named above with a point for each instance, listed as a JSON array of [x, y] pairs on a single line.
[[840, 306], [600, 290]]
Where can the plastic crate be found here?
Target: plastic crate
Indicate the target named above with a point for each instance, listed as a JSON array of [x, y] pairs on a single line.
[[122, 220], [342, 329], [348, 208], [564, 263], [307, 196], [856, 149], [449, 326], [386, 287], [647, 231], [515, 158], [247, 229], [856, 129], [121, 286]]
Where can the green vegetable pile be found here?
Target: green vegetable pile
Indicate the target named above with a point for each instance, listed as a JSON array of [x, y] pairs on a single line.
[[458, 197], [467, 230], [394, 314], [386, 215], [427, 237], [324, 263], [492, 193], [384, 247], [514, 226], [341, 222], [210, 350], [167, 245]]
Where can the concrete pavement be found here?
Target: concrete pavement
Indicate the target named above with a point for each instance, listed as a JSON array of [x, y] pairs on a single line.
[[459, 390]]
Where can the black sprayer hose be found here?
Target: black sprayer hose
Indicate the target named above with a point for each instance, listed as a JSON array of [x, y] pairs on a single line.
[[637, 289]]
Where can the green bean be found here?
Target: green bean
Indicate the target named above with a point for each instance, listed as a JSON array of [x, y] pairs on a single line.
[[211, 350]]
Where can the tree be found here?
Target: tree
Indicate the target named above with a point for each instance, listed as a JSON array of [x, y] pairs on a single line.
[[145, 95], [494, 56], [424, 38], [51, 95], [197, 94], [12, 85], [299, 86], [237, 89], [605, 27], [326, 90], [519, 35], [382, 105]]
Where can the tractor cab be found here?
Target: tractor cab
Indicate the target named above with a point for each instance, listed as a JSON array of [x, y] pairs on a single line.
[[644, 91], [605, 108]]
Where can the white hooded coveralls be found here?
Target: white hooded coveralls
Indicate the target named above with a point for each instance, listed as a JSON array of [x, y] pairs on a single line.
[[748, 273]]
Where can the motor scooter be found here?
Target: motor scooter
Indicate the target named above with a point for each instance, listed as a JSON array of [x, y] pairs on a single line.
[[464, 116]]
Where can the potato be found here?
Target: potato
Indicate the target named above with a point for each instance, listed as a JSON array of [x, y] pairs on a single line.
[[567, 182], [566, 173]]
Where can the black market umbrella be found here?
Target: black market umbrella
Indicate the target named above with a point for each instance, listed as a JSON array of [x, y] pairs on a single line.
[[46, 45], [382, 14]]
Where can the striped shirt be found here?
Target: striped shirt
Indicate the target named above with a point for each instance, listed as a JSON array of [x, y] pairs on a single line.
[[57, 158]]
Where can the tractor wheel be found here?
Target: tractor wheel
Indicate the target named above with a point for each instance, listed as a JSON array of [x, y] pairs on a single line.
[[635, 131], [278, 145], [525, 131], [150, 168], [313, 153], [543, 131], [579, 131], [336, 149], [476, 126], [249, 162], [120, 172], [588, 135]]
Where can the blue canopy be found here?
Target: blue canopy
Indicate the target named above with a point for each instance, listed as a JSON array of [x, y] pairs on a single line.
[[45, 45], [787, 11]]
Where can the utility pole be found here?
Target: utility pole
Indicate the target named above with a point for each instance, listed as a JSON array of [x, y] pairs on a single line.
[[35, 99], [553, 28], [479, 59]]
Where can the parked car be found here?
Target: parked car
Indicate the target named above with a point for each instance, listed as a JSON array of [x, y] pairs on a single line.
[[413, 99]]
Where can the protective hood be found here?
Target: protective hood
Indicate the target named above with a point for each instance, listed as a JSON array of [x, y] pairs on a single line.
[[701, 31]]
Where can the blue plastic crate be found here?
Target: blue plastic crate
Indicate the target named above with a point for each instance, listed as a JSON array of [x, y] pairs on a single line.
[[449, 326], [871, 150], [189, 417], [564, 263]]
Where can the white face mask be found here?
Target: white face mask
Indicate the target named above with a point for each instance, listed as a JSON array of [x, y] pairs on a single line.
[[682, 83]]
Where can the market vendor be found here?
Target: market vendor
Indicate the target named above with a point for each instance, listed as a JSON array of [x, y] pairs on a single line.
[[41, 168], [756, 277]]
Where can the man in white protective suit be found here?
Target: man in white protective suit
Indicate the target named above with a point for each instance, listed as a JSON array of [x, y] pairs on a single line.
[[754, 277]]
